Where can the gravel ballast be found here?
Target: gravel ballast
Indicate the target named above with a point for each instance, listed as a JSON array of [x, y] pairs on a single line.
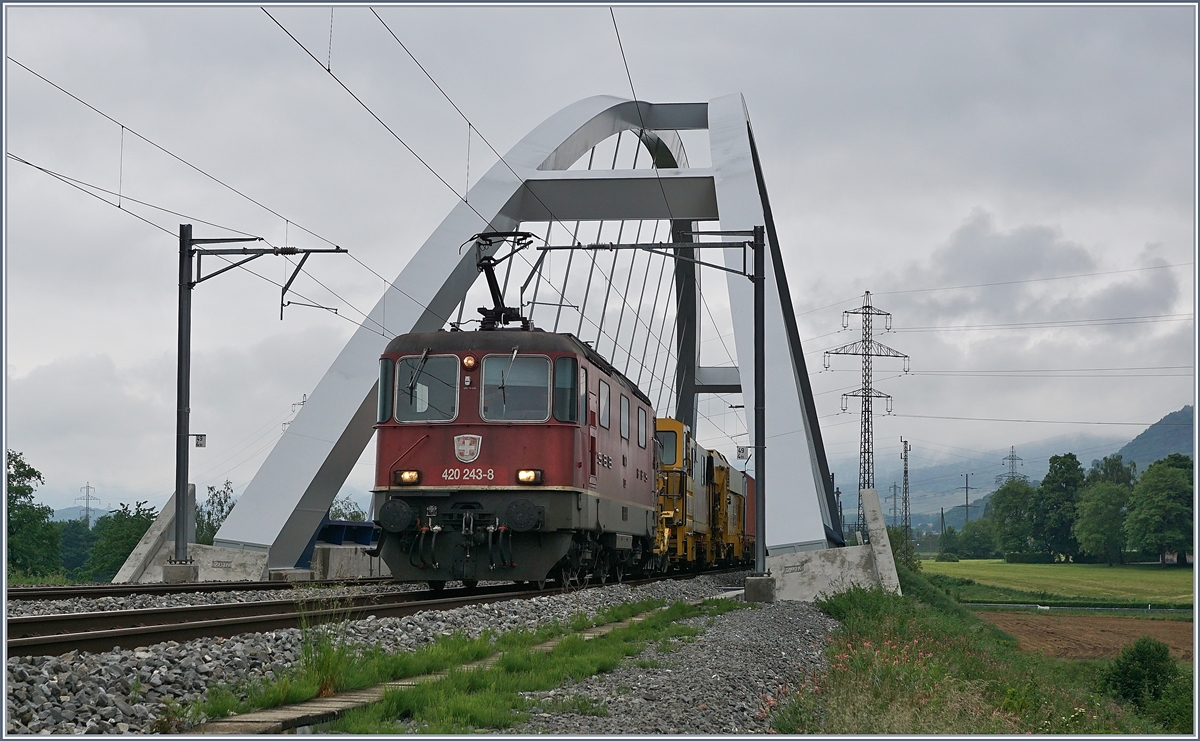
[[123, 691], [718, 683]]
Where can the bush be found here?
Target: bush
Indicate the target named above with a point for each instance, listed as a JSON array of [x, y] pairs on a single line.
[[1142, 671], [1028, 558], [947, 557], [1174, 709]]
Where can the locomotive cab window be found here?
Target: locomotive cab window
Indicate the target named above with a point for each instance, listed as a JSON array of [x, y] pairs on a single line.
[[387, 367], [605, 398], [624, 417], [516, 388], [426, 388], [566, 394], [668, 443], [641, 427]]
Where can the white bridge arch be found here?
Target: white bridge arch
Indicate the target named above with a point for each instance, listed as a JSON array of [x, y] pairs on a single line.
[[296, 484]]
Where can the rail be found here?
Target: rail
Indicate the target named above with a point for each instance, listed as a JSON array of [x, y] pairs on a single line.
[[50, 635], [77, 591]]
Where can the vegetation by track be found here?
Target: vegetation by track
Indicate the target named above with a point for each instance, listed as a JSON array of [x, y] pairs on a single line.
[[461, 692], [922, 664]]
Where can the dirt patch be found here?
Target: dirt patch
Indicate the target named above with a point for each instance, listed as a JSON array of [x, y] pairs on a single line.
[[1090, 636]]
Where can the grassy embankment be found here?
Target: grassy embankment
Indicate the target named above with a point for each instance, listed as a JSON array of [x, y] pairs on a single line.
[[993, 580], [922, 664], [464, 700]]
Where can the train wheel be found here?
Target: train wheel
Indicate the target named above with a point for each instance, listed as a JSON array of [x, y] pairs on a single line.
[[541, 584], [470, 583], [437, 586], [619, 573]]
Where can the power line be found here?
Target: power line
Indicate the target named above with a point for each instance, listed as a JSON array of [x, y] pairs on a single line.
[[75, 181], [1044, 421], [470, 125], [166, 151], [641, 120], [208, 175], [1143, 319], [82, 187]]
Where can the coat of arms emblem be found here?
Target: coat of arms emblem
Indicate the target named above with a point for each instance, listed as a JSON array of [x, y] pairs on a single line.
[[466, 447]]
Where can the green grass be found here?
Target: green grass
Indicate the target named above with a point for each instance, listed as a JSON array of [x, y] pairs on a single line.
[[1024, 581], [329, 664], [490, 698], [921, 664]]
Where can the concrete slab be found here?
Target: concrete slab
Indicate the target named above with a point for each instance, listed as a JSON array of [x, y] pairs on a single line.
[[760, 588], [805, 575], [885, 564], [180, 573], [346, 562], [292, 575]]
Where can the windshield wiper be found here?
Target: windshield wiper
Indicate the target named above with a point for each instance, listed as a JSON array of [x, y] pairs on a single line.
[[504, 380], [412, 382]]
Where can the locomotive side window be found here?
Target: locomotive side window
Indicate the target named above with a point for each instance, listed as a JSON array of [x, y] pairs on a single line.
[[624, 417], [516, 389], [641, 427], [668, 443], [387, 367], [566, 396], [605, 394], [427, 388], [583, 395]]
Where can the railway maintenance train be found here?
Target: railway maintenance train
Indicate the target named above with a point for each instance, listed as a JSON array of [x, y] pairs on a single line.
[[519, 454]]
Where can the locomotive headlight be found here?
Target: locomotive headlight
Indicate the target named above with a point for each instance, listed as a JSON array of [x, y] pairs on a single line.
[[469, 362], [408, 478], [529, 476]]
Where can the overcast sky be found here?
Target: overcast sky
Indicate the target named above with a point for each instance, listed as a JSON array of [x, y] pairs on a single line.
[[904, 149]]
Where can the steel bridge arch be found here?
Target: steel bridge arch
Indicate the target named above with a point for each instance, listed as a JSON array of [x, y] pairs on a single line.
[[296, 484]]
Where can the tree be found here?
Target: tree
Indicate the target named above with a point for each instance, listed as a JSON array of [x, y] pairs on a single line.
[[1053, 511], [75, 539], [1100, 519], [213, 511], [117, 534], [1159, 519], [345, 508], [1176, 460], [903, 549], [32, 537], [949, 541], [1011, 515], [1112, 469], [977, 540]]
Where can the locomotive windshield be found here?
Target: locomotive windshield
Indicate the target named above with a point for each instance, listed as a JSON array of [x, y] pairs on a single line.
[[668, 442], [516, 389], [426, 388]]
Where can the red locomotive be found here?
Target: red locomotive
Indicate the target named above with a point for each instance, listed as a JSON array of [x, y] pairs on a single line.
[[512, 454]]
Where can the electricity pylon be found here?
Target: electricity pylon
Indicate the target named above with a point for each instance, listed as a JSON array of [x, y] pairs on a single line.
[[868, 348]]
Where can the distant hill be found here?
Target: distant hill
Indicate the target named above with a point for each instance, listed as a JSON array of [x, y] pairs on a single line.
[[955, 516], [76, 513], [1171, 434]]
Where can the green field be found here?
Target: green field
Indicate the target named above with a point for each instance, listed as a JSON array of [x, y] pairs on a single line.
[[1098, 581]]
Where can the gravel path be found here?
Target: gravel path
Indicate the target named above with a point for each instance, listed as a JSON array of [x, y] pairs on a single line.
[[716, 684], [123, 691]]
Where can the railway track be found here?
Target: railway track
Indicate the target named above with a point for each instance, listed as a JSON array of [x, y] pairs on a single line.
[[51, 635], [124, 590]]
